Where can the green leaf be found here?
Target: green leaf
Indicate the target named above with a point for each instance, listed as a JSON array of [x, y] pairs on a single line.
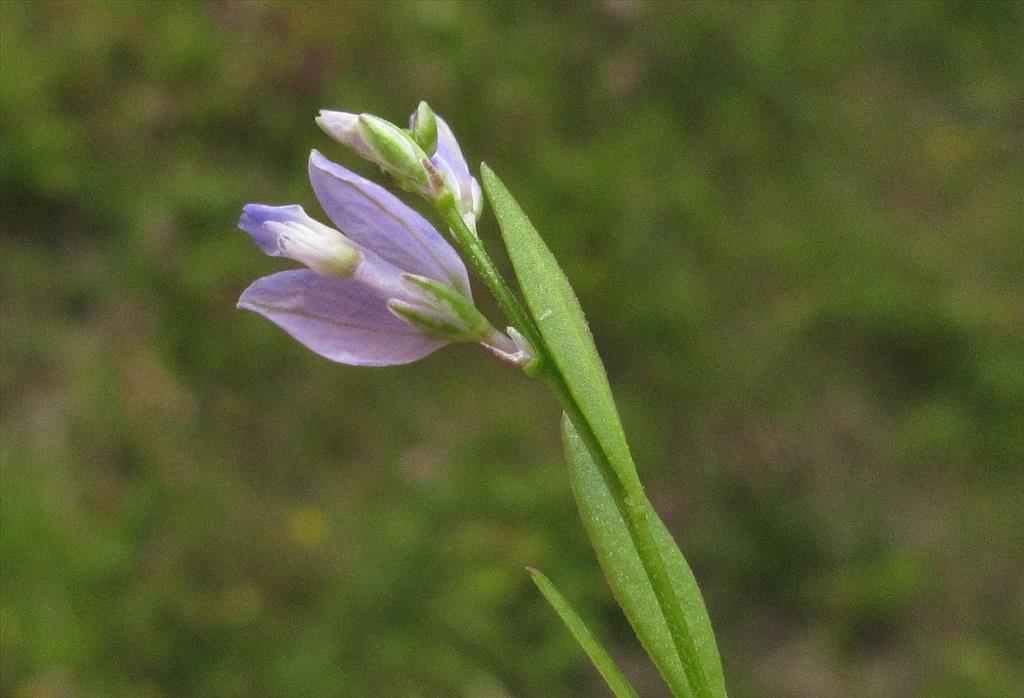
[[559, 318], [625, 572], [600, 658]]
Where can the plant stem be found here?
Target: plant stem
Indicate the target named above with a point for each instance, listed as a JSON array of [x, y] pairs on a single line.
[[628, 493], [485, 266]]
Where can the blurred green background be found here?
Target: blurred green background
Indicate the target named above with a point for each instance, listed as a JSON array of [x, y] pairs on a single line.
[[798, 233]]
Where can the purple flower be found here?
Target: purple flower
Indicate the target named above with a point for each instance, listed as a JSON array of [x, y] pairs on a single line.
[[383, 288]]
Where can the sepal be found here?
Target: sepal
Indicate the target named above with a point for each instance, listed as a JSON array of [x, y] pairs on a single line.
[[398, 154], [443, 312]]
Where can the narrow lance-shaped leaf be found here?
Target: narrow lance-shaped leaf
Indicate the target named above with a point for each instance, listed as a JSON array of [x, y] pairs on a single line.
[[579, 377], [624, 570], [600, 658], [559, 318]]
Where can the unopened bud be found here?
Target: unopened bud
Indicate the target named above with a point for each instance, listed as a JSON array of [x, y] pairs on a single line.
[[385, 144], [424, 128], [397, 152], [345, 128]]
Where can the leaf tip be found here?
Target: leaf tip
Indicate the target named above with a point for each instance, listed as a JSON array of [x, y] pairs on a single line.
[[490, 180]]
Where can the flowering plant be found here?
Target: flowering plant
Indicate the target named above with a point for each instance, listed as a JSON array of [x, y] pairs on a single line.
[[384, 287]]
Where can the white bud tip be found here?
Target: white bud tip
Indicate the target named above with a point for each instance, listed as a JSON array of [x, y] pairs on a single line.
[[336, 120]]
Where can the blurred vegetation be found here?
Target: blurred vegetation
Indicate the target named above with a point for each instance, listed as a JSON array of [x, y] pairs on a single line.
[[798, 232]]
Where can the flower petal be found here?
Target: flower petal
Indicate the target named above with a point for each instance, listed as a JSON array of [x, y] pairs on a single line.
[[337, 318], [448, 148], [256, 216], [344, 128], [286, 231], [379, 221]]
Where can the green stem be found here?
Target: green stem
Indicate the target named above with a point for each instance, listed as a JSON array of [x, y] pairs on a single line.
[[484, 265], [628, 493]]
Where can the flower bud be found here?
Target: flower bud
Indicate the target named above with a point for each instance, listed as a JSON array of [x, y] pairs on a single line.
[[424, 128], [448, 162], [387, 145], [345, 128]]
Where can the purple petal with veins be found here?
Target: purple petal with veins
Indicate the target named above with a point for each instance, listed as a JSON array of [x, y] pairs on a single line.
[[448, 148], [340, 319], [379, 221], [256, 216]]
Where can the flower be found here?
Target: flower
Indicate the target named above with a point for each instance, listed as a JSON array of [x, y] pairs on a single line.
[[383, 288]]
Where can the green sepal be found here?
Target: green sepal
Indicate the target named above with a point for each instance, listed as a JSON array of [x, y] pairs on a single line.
[[444, 312], [397, 153], [426, 319]]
